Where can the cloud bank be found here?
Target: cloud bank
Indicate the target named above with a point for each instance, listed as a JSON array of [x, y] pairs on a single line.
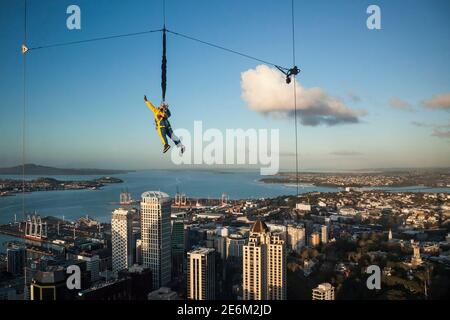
[[264, 89]]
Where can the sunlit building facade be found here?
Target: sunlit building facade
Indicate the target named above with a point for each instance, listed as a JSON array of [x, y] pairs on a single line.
[[264, 265], [156, 236]]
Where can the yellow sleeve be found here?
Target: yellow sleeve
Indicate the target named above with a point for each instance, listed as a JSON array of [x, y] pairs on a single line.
[[151, 106]]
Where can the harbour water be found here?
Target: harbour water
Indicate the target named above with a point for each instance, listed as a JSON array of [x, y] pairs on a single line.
[[98, 204]]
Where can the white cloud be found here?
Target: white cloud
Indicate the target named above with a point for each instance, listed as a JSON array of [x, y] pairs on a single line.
[[438, 101], [265, 90], [397, 103]]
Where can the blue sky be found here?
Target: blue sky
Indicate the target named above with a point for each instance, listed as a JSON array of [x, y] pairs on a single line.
[[85, 106]]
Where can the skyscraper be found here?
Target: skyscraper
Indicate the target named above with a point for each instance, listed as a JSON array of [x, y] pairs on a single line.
[[324, 234], [156, 236], [121, 235], [178, 253], [201, 274], [16, 260], [264, 265]]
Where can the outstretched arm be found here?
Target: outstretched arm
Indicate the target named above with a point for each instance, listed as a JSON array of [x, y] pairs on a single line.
[[150, 105]]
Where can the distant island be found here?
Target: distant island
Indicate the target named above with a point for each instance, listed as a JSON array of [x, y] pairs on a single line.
[[34, 169], [9, 187]]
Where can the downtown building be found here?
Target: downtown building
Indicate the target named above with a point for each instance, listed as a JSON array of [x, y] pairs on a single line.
[[324, 291], [324, 234], [201, 284], [264, 265], [156, 236], [296, 237], [178, 251], [122, 240], [16, 260]]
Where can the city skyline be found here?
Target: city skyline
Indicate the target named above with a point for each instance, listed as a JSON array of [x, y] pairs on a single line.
[[224, 158], [379, 100], [234, 240]]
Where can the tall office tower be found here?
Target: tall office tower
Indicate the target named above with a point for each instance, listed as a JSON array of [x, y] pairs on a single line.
[[178, 248], [324, 234], [155, 236], [122, 236], [264, 265], [201, 274], [16, 260], [324, 291], [295, 235]]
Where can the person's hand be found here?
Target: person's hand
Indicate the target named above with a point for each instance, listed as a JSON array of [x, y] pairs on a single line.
[[145, 98]]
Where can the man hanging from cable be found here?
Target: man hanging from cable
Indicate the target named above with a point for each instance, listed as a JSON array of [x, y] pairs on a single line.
[[163, 126]]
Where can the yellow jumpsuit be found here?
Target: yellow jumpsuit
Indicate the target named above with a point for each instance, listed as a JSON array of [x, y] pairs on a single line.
[[162, 124]]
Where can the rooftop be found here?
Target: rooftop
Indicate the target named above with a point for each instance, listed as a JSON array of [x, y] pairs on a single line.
[[259, 227], [155, 194], [202, 251]]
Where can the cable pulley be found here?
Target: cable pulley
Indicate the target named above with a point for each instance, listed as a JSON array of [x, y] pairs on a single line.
[[289, 73]]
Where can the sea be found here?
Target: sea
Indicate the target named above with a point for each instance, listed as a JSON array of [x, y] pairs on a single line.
[[98, 204]]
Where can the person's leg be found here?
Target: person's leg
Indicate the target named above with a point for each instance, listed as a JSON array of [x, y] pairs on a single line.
[[172, 136], [162, 135], [175, 139]]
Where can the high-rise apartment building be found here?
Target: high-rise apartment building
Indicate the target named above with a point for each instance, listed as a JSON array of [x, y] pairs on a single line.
[[324, 291], [156, 236], [264, 265], [121, 238], [201, 274]]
